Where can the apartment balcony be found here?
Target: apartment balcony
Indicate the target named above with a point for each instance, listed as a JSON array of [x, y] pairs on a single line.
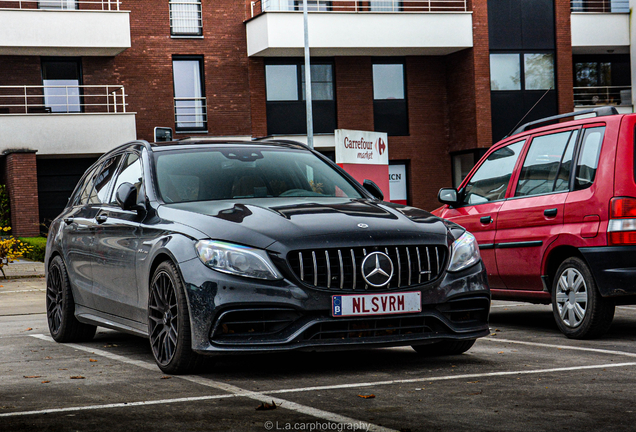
[[600, 26], [63, 28], [350, 28], [619, 97], [65, 120]]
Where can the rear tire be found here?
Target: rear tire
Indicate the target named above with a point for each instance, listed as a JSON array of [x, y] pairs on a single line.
[[60, 307], [169, 322], [578, 308], [444, 348]]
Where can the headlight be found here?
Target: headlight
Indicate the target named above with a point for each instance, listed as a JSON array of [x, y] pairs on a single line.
[[465, 253], [237, 260]]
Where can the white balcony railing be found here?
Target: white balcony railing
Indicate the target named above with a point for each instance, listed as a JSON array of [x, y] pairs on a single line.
[[605, 95], [190, 113], [62, 99], [357, 6], [600, 6], [103, 5]]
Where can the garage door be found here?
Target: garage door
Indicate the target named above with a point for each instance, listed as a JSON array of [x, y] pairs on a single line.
[[56, 180]]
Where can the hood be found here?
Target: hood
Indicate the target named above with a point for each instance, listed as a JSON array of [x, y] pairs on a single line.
[[289, 223]]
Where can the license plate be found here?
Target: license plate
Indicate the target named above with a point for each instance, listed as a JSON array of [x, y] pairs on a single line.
[[376, 304]]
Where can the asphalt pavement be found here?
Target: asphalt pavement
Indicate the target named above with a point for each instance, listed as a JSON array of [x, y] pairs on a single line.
[[524, 376]]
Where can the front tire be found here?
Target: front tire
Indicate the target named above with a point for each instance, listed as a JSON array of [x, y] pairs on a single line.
[[444, 348], [578, 308], [169, 322], [60, 307]]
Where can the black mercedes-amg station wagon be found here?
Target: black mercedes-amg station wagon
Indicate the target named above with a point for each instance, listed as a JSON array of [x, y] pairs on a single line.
[[239, 247]]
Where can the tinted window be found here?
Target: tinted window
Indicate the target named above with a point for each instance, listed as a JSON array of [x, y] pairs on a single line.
[[84, 191], [542, 166], [104, 180], [130, 173], [491, 180], [247, 173], [588, 157]]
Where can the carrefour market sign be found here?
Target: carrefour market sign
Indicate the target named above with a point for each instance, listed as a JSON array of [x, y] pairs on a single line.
[[361, 147]]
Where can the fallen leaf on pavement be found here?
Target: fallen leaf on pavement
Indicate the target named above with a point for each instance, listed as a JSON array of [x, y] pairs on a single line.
[[92, 360], [166, 377], [264, 406], [45, 382], [32, 376], [371, 396], [29, 329], [77, 377]]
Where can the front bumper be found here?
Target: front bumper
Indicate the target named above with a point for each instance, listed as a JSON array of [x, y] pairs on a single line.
[[237, 315], [613, 268]]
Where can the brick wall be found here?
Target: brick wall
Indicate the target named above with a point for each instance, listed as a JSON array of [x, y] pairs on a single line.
[[426, 147], [564, 72], [21, 173], [145, 69]]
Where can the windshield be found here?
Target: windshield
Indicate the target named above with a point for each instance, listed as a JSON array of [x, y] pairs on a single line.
[[246, 172]]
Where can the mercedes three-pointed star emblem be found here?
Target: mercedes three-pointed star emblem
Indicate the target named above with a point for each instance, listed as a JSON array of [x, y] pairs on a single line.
[[377, 269]]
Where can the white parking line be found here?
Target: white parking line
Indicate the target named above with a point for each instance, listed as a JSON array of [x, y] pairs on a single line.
[[233, 390], [23, 291], [562, 347], [117, 405]]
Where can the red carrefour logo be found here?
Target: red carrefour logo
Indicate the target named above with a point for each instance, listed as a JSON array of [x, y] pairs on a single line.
[[380, 146]]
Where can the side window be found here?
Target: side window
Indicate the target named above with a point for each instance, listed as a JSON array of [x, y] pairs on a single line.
[[542, 170], [490, 181], [84, 190], [130, 173], [588, 157], [104, 180]]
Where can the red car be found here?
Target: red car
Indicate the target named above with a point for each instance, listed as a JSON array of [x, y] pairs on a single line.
[[553, 209]]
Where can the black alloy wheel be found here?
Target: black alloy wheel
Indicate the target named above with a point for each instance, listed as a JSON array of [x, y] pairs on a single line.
[[169, 323], [60, 307]]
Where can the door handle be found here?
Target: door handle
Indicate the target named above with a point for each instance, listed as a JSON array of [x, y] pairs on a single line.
[[485, 219], [101, 218], [550, 212], [68, 220]]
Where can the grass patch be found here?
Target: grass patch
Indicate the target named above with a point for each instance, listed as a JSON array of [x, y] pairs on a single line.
[[39, 247]]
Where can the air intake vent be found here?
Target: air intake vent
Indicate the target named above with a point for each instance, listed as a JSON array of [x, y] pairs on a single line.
[[340, 269]]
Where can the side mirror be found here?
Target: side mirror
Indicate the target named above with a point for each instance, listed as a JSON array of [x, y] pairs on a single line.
[[126, 197], [448, 196], [373, 189]]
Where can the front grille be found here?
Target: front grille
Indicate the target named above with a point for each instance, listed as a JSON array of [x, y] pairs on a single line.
[[252, 323], [371, 328], [340, 269]]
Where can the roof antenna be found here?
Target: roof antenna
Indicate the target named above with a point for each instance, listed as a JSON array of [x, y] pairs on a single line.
[[529, 111]]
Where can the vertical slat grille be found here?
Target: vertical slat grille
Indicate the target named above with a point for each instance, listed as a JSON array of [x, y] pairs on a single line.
[[339, 269]]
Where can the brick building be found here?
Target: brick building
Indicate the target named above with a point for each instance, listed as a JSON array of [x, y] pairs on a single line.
[[79, 77]]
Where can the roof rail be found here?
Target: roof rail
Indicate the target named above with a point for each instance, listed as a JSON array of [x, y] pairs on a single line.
[[599, 111]]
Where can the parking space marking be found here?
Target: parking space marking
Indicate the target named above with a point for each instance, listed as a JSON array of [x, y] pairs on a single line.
[[565, 347], [234, 390], [117, 405], [23, 291]]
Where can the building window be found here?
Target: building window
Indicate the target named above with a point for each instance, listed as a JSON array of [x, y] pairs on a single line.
[[522, 88], [61, 78], [185, 18], [312, 5], [506, 72], [389, 99], [190, 107], [602, 80], [285, 89], [57, 4], [385, 6]]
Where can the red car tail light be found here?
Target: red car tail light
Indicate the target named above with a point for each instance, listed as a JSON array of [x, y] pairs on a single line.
[[622, 225]]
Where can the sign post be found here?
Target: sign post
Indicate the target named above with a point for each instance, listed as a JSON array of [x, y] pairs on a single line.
[[364, 155]]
